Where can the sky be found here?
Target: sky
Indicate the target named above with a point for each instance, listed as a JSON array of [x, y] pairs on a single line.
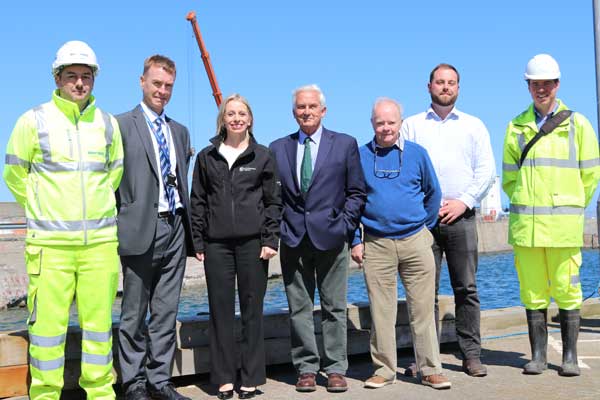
[[355, 51]]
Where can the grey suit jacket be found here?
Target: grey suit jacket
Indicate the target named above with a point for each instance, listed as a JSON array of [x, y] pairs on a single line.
[[137, 196]]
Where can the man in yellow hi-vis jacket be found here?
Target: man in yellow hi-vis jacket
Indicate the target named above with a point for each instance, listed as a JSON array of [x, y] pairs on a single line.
[[63, 164], [549, 189]]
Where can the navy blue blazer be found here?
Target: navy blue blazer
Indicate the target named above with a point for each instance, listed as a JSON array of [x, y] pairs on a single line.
[[330, 211]]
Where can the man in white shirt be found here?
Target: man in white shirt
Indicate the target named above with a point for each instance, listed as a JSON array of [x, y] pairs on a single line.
[[459, 147]]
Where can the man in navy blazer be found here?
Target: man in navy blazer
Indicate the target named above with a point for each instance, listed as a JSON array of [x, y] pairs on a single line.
[[323, 194]]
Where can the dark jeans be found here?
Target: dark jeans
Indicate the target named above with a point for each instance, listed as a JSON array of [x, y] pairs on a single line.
[[225, 262], [459, 242]]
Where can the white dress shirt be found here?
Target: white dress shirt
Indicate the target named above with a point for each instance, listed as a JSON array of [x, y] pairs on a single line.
[[460, 150], [151, 116]]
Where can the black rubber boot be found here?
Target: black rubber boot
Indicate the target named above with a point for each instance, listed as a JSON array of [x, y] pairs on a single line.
[[569, 331], [538, 338]]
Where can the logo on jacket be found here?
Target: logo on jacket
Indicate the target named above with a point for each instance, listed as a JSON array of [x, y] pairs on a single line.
[[247, 169]]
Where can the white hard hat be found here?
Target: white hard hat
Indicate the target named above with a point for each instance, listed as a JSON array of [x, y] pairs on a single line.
[[75, 52], [542, 67]]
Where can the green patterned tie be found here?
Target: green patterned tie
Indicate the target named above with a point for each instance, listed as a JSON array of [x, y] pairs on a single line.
[[306, 167]]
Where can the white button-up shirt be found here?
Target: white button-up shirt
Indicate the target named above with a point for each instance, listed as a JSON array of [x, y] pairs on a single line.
[[460, 150], [151, 116]]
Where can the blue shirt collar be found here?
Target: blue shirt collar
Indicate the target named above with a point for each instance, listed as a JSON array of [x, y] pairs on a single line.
[[539, 117], [315, 137]]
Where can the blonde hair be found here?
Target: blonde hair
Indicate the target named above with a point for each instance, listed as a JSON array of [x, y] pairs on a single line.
[[221, 130]]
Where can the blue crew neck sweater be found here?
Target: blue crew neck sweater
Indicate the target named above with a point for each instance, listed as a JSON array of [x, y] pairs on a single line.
[[403, 193]]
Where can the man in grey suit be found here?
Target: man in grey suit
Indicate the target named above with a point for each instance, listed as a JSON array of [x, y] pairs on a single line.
[[154, 235]]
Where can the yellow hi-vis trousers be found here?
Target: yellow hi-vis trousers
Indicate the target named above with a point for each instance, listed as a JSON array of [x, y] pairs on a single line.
[[546, 272], [56, 275]]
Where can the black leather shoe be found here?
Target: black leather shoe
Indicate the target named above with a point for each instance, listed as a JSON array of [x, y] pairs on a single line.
[[167, 392], [225, 394], [249, 394], [137, 392]]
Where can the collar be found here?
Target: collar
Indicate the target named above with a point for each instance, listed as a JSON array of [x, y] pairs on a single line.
[[151, 115], [71, 109], [399, 143], [539, 117], [315, 137], [431, 114]]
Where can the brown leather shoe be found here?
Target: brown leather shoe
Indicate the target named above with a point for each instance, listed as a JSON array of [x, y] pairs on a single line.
[[336, 383], [436, 381], [474, 367], [306, 383]]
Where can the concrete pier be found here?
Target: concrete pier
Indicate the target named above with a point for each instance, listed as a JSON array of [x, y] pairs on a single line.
[[505, 328]]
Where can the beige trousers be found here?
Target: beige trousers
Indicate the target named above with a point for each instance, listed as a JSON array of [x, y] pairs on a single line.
[[412, 257]]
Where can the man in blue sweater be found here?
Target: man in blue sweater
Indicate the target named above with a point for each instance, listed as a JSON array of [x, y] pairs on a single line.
[[403, 199]]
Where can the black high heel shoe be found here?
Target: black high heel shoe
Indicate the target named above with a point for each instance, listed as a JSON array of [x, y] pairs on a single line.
[[225, 395], [244, 394]]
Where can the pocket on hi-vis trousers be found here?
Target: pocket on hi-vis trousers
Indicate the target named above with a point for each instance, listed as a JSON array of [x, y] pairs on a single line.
[[33, 261]]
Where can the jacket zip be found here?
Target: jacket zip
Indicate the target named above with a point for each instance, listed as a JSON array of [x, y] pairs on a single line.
[[232, 194], [70, 143]]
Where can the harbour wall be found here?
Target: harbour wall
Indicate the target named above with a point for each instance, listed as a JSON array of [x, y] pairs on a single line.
[[493, 237]]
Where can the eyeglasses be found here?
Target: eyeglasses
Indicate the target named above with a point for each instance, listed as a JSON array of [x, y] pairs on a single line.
[[387, 173]]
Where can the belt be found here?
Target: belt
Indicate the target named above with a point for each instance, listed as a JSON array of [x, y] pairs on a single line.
[[167, 214]]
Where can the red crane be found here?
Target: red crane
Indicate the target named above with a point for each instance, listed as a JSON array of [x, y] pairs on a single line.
[[191, 16]]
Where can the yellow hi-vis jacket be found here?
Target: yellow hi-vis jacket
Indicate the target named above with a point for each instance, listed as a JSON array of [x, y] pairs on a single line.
[[557, 180], [63, 166]]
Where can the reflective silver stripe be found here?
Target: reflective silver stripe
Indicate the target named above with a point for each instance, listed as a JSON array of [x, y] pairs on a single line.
[[550, 162], [96, 336], [575, 280], [521, 140], [116, 164], [47, 365], [96, 359], [108, 128], [572, 151], [539, 210], [594, 162], [510, 167], [47, 341], [43, 225], [108, 135], [43, 135], [11, 159], [68, 166]]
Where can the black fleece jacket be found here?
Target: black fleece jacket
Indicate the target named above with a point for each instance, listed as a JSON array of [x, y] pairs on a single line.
[[241, 202]]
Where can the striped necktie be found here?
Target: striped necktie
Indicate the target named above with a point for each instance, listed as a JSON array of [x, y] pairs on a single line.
[[165, 163]]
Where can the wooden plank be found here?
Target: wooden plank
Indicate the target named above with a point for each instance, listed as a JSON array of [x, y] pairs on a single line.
[[13, 348], [14, 381]]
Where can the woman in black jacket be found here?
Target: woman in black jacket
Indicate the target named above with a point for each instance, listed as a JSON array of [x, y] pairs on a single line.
[[235, 209]]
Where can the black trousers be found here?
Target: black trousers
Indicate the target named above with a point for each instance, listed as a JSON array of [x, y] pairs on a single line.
[[224, 262], [459, 242]]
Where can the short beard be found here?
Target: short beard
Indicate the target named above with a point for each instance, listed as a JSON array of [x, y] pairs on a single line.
[[437, 100]]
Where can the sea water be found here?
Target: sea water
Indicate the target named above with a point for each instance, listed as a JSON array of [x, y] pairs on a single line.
[[497, 284]]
